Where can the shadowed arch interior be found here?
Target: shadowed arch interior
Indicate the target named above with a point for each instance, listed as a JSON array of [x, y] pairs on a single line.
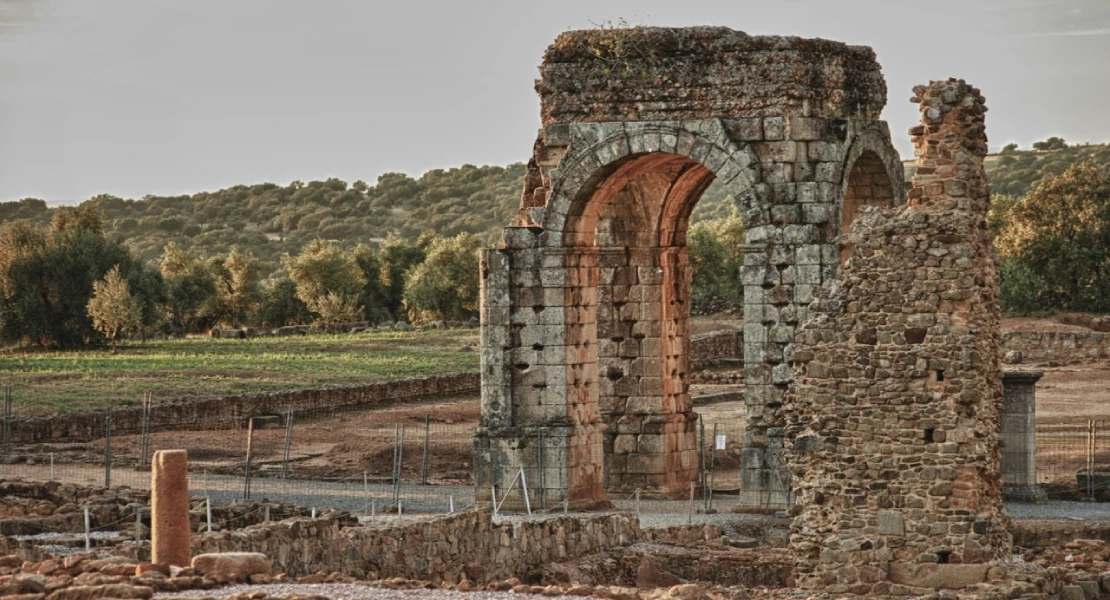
[[868, 185]]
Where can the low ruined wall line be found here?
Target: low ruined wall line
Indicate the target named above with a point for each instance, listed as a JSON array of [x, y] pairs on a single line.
[[232, 412], [438, 548], [709, 347], [1062, 346]]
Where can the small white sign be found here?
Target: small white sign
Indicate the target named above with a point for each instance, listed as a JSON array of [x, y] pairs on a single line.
[[722, 440]]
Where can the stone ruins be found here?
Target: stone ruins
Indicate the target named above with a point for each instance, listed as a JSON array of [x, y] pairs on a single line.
[[892, 424], [871, 334]]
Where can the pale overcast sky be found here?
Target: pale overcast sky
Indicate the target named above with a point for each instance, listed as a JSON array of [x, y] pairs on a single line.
[[132, 97]]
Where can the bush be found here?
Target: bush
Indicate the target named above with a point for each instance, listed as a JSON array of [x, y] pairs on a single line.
[[445, 285], [1020, 288], [715, 258]]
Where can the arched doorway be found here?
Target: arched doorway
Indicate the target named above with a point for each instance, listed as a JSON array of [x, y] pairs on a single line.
[[633, 221]]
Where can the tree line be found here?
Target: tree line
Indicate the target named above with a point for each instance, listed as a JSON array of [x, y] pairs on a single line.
[[67, 283], [309, 252]]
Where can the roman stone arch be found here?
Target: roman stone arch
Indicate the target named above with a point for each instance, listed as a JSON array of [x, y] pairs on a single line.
[[585, 310], [624, 224]]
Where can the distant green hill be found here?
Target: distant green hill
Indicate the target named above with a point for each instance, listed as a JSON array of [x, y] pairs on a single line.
[[270, 220], [1014, 173]]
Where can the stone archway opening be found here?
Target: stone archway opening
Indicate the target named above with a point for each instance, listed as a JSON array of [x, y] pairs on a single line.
[[633, 224], [868, 184]]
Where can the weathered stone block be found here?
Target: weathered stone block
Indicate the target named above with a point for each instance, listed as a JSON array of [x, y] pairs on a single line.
[[935, 576], [806, 128], [774, 128], [891, 523]]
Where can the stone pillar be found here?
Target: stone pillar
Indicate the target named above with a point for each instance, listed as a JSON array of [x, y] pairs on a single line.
[[169, 507], [1018, 430]]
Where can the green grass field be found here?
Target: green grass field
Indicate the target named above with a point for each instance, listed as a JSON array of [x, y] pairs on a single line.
[[44, 382]]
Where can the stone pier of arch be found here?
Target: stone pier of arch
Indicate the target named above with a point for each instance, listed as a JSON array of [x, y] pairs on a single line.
[[585, 310]]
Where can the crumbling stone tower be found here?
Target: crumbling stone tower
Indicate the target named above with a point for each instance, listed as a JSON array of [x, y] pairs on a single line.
[[585, 310], [892, 428]]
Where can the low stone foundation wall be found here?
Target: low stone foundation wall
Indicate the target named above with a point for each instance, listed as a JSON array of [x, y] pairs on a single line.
[[439, 549], [1045, 534], [1059, 346], [707, 348], [232, 412]]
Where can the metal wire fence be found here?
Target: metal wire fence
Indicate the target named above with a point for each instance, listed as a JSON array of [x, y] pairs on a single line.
[[364, 460], [1073, 459], [375, 462]]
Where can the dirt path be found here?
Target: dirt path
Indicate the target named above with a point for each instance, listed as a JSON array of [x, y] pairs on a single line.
[[1074, 392]]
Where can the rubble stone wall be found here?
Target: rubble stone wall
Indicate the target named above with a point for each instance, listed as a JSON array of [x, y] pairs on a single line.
[[232, 412], [438, 548], [892, 428], [707, 348], [1058, 346]]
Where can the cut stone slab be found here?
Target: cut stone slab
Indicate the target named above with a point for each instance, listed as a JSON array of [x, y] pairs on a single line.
[[232, 566], [1072, 592], [1090, 589], [891, 523], [937, 576]]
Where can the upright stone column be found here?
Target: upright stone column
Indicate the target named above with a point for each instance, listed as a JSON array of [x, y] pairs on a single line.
[[1019, 435], [169, 506]]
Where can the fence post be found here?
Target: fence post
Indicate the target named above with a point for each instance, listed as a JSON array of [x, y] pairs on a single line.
[[396, 439], [108, 449], [88, 540], [524, 488], [7, 421], [400, 473], [247, 473], [366, 491], [701, 462], [144, 448], [208, 511], [690, 508], [712, 469], [424, 466], [288, 442], [1090, 461], [139, 524]]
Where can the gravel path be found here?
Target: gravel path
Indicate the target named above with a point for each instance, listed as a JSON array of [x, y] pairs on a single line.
[[350, 591]]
